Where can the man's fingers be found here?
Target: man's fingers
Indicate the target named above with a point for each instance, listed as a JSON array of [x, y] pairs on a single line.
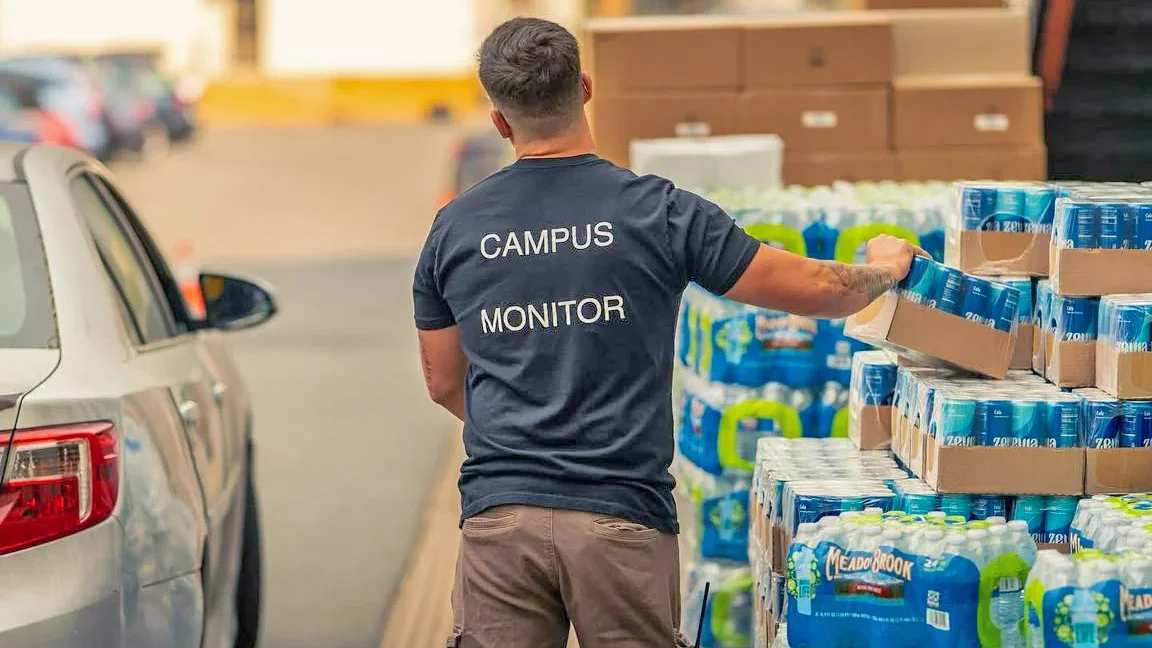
[[919, 251]]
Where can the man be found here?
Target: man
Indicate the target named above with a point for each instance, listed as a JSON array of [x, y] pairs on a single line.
[[546, 300]]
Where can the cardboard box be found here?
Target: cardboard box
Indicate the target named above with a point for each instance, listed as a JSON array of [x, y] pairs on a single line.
[[1062, 547], [977, 110], [959, 41], [917, 450], [921, 4], [870, 426], [1118, 470], [812, 169], [899, 425], [932, 336], [1010, 471], [816, 49], [617, 121], [1069, 363], [994, 163], [1022, 348], [996, 253], [838, 118], [1094, 272], [650, 53], [1123, 375], [778, 548]]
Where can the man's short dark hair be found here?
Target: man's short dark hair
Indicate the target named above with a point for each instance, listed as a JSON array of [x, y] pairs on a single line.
[[531, 71]]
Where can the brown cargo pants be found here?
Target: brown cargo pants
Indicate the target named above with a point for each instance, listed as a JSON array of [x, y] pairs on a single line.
[[524, 573]]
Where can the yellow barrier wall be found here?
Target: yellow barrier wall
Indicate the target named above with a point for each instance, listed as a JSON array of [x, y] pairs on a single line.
[[254, 100]]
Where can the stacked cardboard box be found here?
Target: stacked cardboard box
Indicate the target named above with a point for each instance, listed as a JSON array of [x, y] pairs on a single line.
[[963, 102], [821, 84], [662, 77], [936, 94]]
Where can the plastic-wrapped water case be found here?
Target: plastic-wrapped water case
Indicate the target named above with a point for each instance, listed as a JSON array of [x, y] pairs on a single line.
[[998, 228], [1066, 353], [969, 435], [882, 580], [728, 618], [1124, 349], [940, 315], [1090, 599], [870, 400], [1102, 243]]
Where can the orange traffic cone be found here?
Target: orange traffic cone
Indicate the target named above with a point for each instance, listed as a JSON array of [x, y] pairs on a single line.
[[188, 279]]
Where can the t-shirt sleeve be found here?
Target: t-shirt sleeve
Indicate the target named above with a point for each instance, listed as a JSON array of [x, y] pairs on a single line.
[[713, 250], [432, 311]]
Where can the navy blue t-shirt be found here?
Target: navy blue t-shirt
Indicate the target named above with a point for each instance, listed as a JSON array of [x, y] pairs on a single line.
[[564, 276]]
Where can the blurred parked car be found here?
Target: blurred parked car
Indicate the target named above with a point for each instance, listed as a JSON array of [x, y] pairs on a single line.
[[130, 116], [69, 91], [23, 117], [128, 517], [477, 157], [175, 111]]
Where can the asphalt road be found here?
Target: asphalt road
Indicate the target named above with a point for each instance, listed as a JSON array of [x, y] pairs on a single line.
[[348, 444]]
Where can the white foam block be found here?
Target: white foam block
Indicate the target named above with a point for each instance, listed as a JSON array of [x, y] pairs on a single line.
[[702, 163]]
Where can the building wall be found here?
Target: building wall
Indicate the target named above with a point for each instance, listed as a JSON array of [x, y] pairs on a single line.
[[358, 37], [191, 36]]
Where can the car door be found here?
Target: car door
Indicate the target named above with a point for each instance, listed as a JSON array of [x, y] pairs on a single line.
[[228, 393], [167, 345], [228, 412]]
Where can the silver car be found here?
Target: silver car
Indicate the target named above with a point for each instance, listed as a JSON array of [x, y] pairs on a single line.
[[127, 512]]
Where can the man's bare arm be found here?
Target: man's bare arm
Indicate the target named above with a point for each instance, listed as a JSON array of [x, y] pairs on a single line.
[[788, 282], [445, 367], [853, 281]]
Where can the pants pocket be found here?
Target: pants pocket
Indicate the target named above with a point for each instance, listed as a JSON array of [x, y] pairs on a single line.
[[623, 529]]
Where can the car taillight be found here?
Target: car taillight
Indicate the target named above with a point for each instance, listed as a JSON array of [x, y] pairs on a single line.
[[56, 129], [96, 104], [59, 480], [143, 110]]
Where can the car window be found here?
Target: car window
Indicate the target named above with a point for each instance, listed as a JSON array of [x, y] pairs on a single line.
[[129, 271], [152, 253], [9, 100], [27, 318]]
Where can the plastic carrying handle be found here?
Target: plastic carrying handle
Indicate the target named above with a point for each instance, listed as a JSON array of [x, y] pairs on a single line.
[[852, 238], [727, 437], [786, 237]]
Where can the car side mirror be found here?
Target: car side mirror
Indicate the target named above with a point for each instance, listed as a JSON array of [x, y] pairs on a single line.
[[234, 303]]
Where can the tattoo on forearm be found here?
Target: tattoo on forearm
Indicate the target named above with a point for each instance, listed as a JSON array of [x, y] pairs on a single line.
[[869, 281]]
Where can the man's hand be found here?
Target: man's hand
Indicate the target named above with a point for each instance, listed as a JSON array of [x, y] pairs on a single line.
[[892, 253]]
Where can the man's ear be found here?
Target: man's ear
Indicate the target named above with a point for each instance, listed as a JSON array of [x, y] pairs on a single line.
[[586, 86], [501, 125]]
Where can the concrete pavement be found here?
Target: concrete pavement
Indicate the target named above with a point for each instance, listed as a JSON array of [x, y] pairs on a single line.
[[348, 445]]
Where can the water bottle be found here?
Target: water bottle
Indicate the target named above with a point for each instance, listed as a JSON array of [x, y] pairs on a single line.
[[953, 593], [1085, 511], [1007, 605], [1021, 540], [804, 561], [1083, 610]]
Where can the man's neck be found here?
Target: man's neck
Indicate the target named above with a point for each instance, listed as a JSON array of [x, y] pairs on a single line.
[[577, 141]]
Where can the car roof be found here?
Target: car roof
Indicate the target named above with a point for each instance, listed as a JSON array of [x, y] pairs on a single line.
[[11, 154]]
